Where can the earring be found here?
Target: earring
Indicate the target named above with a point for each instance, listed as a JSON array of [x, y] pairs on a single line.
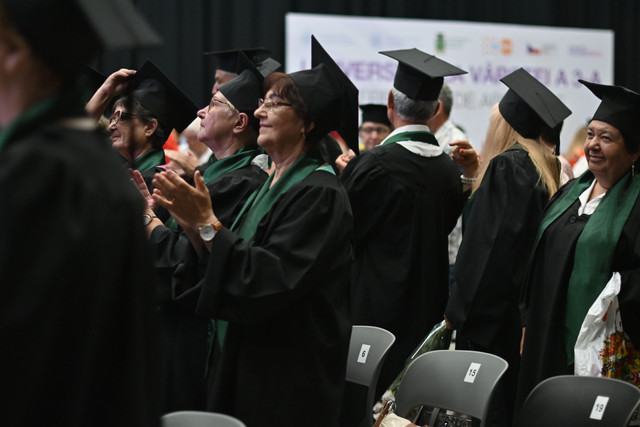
[[633, 170]]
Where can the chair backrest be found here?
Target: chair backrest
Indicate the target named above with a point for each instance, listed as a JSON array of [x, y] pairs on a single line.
[[568, 400], [367, 350], [456, 380], [199, 419]]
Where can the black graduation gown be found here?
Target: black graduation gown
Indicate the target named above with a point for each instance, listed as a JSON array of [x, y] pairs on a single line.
[[75, 297], [499, 234], [286, 299], [404, 206], [545, 290], [183, 348]]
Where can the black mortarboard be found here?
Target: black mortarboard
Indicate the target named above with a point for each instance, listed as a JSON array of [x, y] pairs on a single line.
[[158, 94], [85, 25], [348, 128], [419, 75], [330, 150], [228, 59], [93, 78], [245, 90], [118, 24], [620, 107], [322, 97], [376, 113], [532, 109], [268, 66]]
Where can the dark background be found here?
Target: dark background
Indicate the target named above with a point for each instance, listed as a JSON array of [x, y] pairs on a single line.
[[191, 27]]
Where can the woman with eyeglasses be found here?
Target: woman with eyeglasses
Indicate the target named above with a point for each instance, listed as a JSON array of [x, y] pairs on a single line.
[[278, 275], [147, 108]]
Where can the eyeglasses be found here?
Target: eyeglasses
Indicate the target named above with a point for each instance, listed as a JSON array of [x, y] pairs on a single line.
[[120, 115], [269, 104], [371, 129], [214, 100]]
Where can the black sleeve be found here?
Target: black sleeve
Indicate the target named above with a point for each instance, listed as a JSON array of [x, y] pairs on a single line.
[[305, 235]]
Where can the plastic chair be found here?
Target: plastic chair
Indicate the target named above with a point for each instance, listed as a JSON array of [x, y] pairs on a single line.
[[569, 401], [367, 350], [456, 380], [199, 419]]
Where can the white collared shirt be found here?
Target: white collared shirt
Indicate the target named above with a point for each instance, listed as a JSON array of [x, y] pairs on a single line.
[[588, 207]]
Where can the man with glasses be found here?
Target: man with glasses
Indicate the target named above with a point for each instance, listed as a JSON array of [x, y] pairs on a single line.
[[229, 128], [76, 323], [375, 125]]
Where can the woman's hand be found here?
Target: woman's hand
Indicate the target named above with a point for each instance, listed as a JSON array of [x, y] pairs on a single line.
[[344, 159], [448, 324], [190, 206], [144, 191], [462, 153], [115, 85]]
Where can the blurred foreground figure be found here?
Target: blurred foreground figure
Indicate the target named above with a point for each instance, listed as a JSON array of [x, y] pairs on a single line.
[[75, 322]]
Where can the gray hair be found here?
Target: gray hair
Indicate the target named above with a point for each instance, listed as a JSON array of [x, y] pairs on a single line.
[[412, 110], [446, 96]]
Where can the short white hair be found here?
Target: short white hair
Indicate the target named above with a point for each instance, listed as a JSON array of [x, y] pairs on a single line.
[[412, 110]]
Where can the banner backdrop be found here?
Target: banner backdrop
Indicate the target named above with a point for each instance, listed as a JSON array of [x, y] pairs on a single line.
[[558, 57]]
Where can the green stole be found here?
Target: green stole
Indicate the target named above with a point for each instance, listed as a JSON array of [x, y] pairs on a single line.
[[61, 105], [595, 247], [240, 159], [149, 160], [261, 202], [412, 136]]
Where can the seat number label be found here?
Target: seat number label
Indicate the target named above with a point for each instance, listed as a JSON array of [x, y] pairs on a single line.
[[472, 372], [364, 352], [598, 407]]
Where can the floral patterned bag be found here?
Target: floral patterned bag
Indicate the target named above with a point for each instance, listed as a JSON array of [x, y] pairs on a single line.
[[602, 348]]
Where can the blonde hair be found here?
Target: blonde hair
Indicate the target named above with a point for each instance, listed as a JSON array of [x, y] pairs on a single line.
[[501, 137]]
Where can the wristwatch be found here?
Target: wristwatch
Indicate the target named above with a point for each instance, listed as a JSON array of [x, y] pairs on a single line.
[[208, 231], [146, 219]]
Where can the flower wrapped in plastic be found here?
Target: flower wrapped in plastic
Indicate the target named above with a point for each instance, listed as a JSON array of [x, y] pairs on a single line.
[[438, 339]]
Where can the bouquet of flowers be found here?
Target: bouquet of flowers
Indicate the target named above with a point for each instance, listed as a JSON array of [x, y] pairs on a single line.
[[438, 339]]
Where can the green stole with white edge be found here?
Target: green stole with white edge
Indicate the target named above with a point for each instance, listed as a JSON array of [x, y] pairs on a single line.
[[595, 248], [421, 136], [259, 204]]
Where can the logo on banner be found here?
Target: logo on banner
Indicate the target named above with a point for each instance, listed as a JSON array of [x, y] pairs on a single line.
[[537, 49], [493, 46], [581, 50], [448, 43]]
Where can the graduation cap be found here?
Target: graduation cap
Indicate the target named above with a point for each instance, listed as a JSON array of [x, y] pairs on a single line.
[[158, 94], [268, 66], [245, 89], [228, 59], [92, 78], [376, 113], [419, 75], [620, 107], [531, 108], [322, 96], [348, 113], [330, 150], [50, 27]]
